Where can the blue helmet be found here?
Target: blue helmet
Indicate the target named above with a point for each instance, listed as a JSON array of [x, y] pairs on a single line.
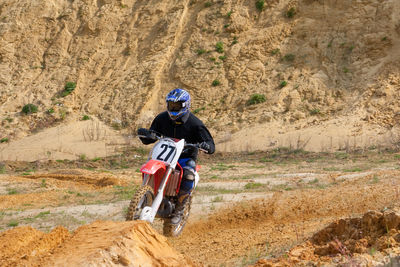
[[178, 103]]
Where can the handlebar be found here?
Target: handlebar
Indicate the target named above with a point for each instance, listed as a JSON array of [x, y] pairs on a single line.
[[154, 135], [195, 146]]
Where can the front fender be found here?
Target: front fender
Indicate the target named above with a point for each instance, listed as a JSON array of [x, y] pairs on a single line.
[[152, 166]]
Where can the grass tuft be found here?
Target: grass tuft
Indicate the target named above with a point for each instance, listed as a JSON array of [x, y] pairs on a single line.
[[260, 5], [216, 83], [256, 99], [219, 47], [68, 88], [29, 109]]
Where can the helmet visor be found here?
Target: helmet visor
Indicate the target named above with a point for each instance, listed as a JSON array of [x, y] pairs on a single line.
[[175, 106]]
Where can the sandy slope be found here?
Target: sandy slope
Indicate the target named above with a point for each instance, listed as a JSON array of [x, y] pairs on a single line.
[[88, 139], [340, 62]]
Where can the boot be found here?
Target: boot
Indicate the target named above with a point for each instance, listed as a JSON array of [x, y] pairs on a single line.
[[180, 207]]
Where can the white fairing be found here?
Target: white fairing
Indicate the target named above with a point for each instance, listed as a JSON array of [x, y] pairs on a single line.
[[196, 179], [167, 151]]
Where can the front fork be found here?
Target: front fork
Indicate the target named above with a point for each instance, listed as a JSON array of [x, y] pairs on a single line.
[[149, 213]]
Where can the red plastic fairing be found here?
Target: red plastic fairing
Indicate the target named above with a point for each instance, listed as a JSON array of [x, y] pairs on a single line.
[[152, 166], [178, 166], [198, 168]]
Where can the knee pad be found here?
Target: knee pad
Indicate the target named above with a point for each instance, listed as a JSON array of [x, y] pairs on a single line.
[[191, 164], [186, 186], [188, 174]]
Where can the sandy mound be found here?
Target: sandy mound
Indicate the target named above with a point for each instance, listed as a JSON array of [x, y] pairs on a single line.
[[97, 244], [374, 238], [81, 177], [20, 245]]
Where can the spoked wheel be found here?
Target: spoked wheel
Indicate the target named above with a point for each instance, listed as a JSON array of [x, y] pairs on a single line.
[[143, 198], [171, 229]]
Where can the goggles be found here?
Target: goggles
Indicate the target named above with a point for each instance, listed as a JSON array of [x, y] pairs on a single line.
[[175, 106]]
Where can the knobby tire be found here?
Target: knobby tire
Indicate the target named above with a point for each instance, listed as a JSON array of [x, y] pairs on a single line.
[[145, 193]]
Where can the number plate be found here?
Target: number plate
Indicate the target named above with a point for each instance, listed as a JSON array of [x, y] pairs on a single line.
[[164, 151]]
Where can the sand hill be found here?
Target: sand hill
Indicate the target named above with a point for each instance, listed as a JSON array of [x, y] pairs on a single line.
[[328, 70]]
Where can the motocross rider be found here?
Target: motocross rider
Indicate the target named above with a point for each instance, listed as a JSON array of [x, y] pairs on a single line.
[[178, 122]]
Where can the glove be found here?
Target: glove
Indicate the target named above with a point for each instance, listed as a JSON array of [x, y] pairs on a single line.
[[205, 146], [143, 132]]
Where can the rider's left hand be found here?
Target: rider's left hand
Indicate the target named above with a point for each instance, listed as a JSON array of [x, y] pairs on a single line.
[[205, 146]]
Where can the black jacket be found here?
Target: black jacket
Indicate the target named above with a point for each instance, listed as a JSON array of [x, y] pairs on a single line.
[[189, 127]]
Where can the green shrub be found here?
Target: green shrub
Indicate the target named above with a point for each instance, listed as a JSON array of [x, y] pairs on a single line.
[[29, 108], [283, 84], [315, 111], [291, 12], [208, 4], [12, 224], [226, 25], [85, 118], [219, 47], [275, 51], [289, 57], [222, 57], [253, 185], [229, 14], [50, 111], [4, 140], [68, 88], [256, 99], [260, 4], [197, 110], [235, 40], [12, 191], [2, 169], [201, 51], [216, 83]]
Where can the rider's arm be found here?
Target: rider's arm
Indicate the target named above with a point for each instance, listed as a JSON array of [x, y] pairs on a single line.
[[205, 136], [154, 127]]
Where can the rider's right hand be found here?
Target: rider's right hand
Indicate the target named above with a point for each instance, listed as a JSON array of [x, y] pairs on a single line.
[[148, 134], [143, 132]]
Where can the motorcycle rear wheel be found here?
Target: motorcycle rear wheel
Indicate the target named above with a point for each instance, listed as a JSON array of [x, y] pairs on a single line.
[[143, 197], [171, 229]]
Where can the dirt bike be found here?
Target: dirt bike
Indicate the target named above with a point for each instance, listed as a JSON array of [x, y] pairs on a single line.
[[162, 176]]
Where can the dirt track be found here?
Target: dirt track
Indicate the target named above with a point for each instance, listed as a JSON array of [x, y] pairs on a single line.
[[284, 225], [272, 226]]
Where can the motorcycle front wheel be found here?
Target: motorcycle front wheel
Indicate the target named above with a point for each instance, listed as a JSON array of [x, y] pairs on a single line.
[[143, 197], [171, 229]]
